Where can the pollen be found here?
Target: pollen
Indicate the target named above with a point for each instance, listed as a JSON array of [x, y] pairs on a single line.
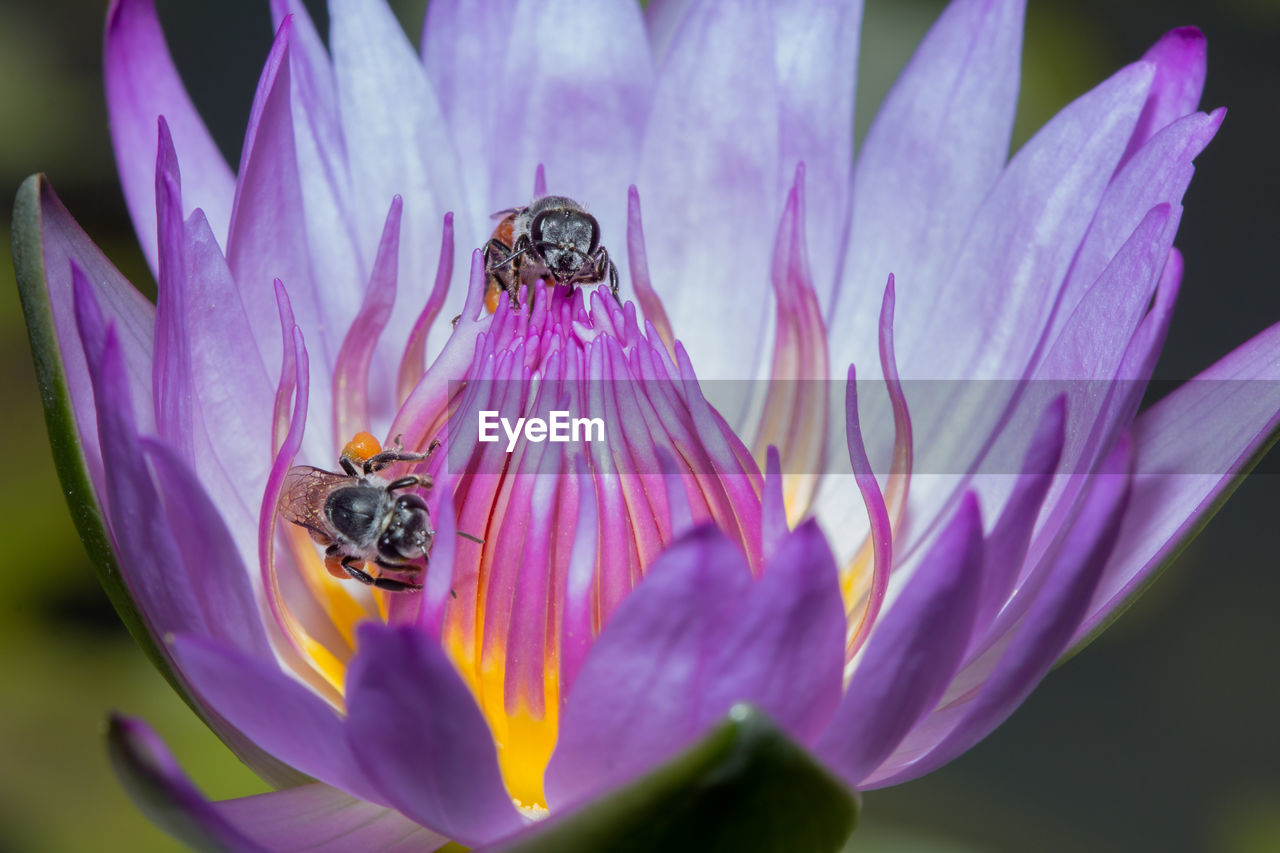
[[491, 297], [361, 447]]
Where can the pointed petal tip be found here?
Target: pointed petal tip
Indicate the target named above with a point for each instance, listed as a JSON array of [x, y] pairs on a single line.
[[160, 789], [969, 513], [1189, 36], [114, 10]]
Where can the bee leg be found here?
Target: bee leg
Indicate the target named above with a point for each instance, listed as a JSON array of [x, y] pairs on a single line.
[[391, 584], [514, 276], [606, 269], [387, 457], [425, 481], [501, 268], [333, 561], [403, 568], [349, 563], [496, 254]]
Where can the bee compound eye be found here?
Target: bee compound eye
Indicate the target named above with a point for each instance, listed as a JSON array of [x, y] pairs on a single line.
[[535, 227]]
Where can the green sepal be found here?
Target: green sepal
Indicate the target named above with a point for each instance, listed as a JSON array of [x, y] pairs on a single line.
[[73, 473], [744, 786], [59, 418]]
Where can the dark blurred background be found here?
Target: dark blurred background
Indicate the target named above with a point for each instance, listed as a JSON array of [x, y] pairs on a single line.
[[1162, 736]]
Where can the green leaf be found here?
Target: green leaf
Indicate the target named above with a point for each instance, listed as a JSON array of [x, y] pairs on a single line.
[[744, 786], [68, 456]]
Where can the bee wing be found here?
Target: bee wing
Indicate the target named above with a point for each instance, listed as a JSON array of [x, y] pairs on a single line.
[[503, 214], [303, 496]]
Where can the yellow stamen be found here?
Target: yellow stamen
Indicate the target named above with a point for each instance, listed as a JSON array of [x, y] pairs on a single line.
[[524, 735], [333, 595]]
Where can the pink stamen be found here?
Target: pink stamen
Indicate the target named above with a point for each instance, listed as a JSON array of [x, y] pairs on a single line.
[[637, 260], [413, 362], [877, 514], [351, 371]]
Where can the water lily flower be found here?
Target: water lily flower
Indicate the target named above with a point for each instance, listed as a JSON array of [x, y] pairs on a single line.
[[731, 609]]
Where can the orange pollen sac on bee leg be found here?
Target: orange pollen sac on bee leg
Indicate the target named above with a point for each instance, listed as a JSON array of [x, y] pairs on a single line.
[[491, 297], [361, 447]]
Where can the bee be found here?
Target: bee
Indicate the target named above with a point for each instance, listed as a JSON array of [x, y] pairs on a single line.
[[361, 518], [555, 239]]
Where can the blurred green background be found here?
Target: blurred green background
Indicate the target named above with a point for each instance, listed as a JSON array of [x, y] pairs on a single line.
[[1161, 736]]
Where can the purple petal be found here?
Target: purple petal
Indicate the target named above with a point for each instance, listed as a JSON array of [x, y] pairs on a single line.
[[212, 409], [171, 363], [157, 785], [340, 261], [663, 19], [143, 84], [1158, 173], [913, 199], [816, 54], [268, 237], [311, 817], [64, 246], [1180, 64], [416, 730], [598, 81], [158, 580], [397, 143], [640, 694], [1006, 546], [1087, 360], [275, 711], [1192, 447], [234, 394], [1094, 338], [213, 566], [784, 650], [912, 653], [320, 819], [1024, 237], [460, 44], [773, 512], [1043, 633], [714, 125], [1139, 361], [141, 534]]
